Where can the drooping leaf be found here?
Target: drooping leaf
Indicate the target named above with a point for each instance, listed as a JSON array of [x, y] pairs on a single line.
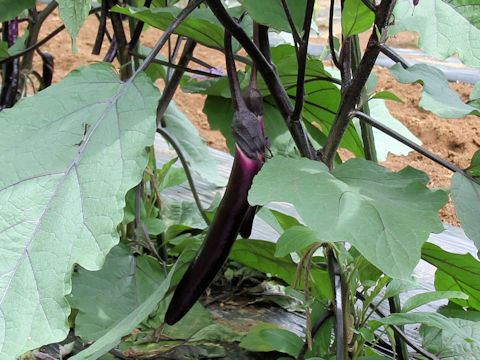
[[73, 14], [428, 318], [466, 197], [399, 210], [440, 37], [455, 272], [259, 255], [387, 95], [356, 18], [271, 13], [201, 25], [437, 96], [193, 146], [424, 298], [126, 325], [105, 297], [66, 167], [384, 144], [10, 9], [266, 337]]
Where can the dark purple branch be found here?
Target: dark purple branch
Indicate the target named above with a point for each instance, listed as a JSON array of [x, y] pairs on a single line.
[[264, 43], [351, 94], [112, 51], [173, 56], [119, 34], [138, 29], [330, 35], [174, 81], [393, 55], [101, 29], [288, 14]]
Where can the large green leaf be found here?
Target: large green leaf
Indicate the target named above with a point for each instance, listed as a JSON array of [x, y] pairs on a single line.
[[69, 156], [10, 9], [73, 14], [126, 325], [437, 96], [444, 28], [387, 216], [424, 298], [267, 337], [356, 18], [457, 272], [271, 13], [105, 297], [194, 148], [466, 197]]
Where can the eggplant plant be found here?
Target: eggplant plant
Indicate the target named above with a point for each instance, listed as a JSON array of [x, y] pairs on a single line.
[[96, 257]]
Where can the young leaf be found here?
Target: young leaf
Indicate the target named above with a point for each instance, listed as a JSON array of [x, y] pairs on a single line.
[[399, 210], [466, 197], [294, 239], [62, 192], [124, 282], [424, 298], [437, 96], [455, 272], [387, 95], [356, 18], [73, 14]]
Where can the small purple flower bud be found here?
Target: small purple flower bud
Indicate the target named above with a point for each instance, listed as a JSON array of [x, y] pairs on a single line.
[[415, 2]]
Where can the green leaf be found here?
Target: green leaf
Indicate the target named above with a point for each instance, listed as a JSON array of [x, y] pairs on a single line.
[[424, 298], [398, 286], [217, 333], [105, 297], [455, 272], [73, 14], [437, 96], [271, 13], [201, 25], [428, 318], [398, 208], [450, 345], [192, 145], [294, 239], [356, 18], [3, 50], [126, 325], [266, 337], [155, 226], [466, 197], [259, 255], [10, 9], [474, 169], [63, 191], [440, 37], [169, 176], [387, 95], [196, 319], [384, 143]]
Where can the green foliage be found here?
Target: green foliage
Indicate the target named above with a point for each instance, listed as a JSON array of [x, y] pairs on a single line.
[[399, 210], [437, 95], [73, 14], [105, 297], [440, 37], [11, 9], [63, 192], [466, 196], [356, 18]]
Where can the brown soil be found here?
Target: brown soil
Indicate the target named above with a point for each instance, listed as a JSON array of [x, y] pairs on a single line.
[[453, 139]]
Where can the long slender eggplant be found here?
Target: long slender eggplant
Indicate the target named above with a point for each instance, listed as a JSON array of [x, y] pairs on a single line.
[[249, 158]]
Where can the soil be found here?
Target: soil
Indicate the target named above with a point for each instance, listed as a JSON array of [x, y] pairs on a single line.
[[454, 139]]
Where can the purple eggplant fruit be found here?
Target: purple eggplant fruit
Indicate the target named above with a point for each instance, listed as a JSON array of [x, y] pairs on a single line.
[[250, 156], [11, 70], [47, 68]]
